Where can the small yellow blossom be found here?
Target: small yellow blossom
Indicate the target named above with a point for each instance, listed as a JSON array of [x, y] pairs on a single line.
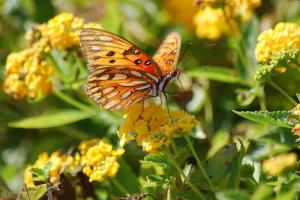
[[98, 159], [27, 74], [283, 37], [58, 164], [275, 165], [154, 129], [63, 30], [216, 18], [210, 23]]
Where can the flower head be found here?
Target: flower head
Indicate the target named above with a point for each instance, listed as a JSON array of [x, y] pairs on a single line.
[[27, 74], [98, 159], [63, 30], [58, 164], [216, 18], [276, 165], [283, 37], [154, 129]]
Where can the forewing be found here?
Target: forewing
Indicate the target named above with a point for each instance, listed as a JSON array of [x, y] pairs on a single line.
[[120, 74], [167, 54]]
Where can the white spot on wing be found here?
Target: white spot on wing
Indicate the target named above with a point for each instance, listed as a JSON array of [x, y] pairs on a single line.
[[152, 77], [118, 107], [135, 73], [111, 104], [97, 72], [143, 87], [119, 77], [104, 77], [127, 104], [87, 38], [105, 38], [113, 94], [125, 95], [107, 90], [132, 83], [95, 48]]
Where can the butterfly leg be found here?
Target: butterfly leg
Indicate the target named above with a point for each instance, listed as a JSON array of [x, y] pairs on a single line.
[[166, 97], [184, 95], [142, 110]]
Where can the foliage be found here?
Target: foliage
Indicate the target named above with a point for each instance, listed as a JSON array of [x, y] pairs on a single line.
[[228, 130]]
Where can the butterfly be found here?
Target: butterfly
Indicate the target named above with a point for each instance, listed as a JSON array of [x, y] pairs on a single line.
[[121, 74]]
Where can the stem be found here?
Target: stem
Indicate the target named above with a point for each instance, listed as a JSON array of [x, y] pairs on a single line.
[[72, 101], [280, 90], [262, 97], [187, 138], [208, 113], [119, 186], [179, 170]]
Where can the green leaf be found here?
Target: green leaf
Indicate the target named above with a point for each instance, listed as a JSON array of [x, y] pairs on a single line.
[[223, 169], [37, 171], [276, 118], [215, 73], [34, 193], [158, 159], [232, 195], [264, 192], [56, 119], [298, 96]]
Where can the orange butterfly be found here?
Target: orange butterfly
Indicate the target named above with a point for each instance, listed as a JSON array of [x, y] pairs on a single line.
[[121, 74]]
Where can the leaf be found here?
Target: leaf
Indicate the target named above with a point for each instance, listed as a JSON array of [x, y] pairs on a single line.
[[58, 118], [298, 96], [158, 159], [34, 193], [223, 169], [232, 195], [276, 118], [215, 73], [37, 171]]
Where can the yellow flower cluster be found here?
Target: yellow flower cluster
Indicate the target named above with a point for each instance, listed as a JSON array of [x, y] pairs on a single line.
[[58, 164], [153, 128], [283, 37], [276, 165], [215, 18], [98, 159], [62, 31], [27, 74]]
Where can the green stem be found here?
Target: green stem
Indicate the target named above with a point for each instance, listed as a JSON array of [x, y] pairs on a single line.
[[119, 186], [179, 170], [71, 101], [201, 167], [208, 113], [262, 97], [280, 90]]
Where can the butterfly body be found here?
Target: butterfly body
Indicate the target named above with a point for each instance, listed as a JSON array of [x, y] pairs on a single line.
[[121, 74]]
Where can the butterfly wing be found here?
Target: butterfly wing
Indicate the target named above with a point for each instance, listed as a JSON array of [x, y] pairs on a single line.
[[167, 54], [120, 74]]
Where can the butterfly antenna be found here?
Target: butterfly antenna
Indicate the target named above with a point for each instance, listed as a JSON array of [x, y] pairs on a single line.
[[183, 53]]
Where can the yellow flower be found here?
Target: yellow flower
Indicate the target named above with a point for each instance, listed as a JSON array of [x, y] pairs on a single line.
[[98, 159], [275, 165], [63, 30], [216, 18], [154, 129], [27, 74], [210, 23], [58, 164], [283, 37]]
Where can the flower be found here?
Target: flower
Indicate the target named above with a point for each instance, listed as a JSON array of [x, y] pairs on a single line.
[[27, 74], [283, 37], [214, 22], [296, 116], [280, 62], [63, 30], [216, 18], [58, 164], [98, 159], [276, 165], [154, 128]]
